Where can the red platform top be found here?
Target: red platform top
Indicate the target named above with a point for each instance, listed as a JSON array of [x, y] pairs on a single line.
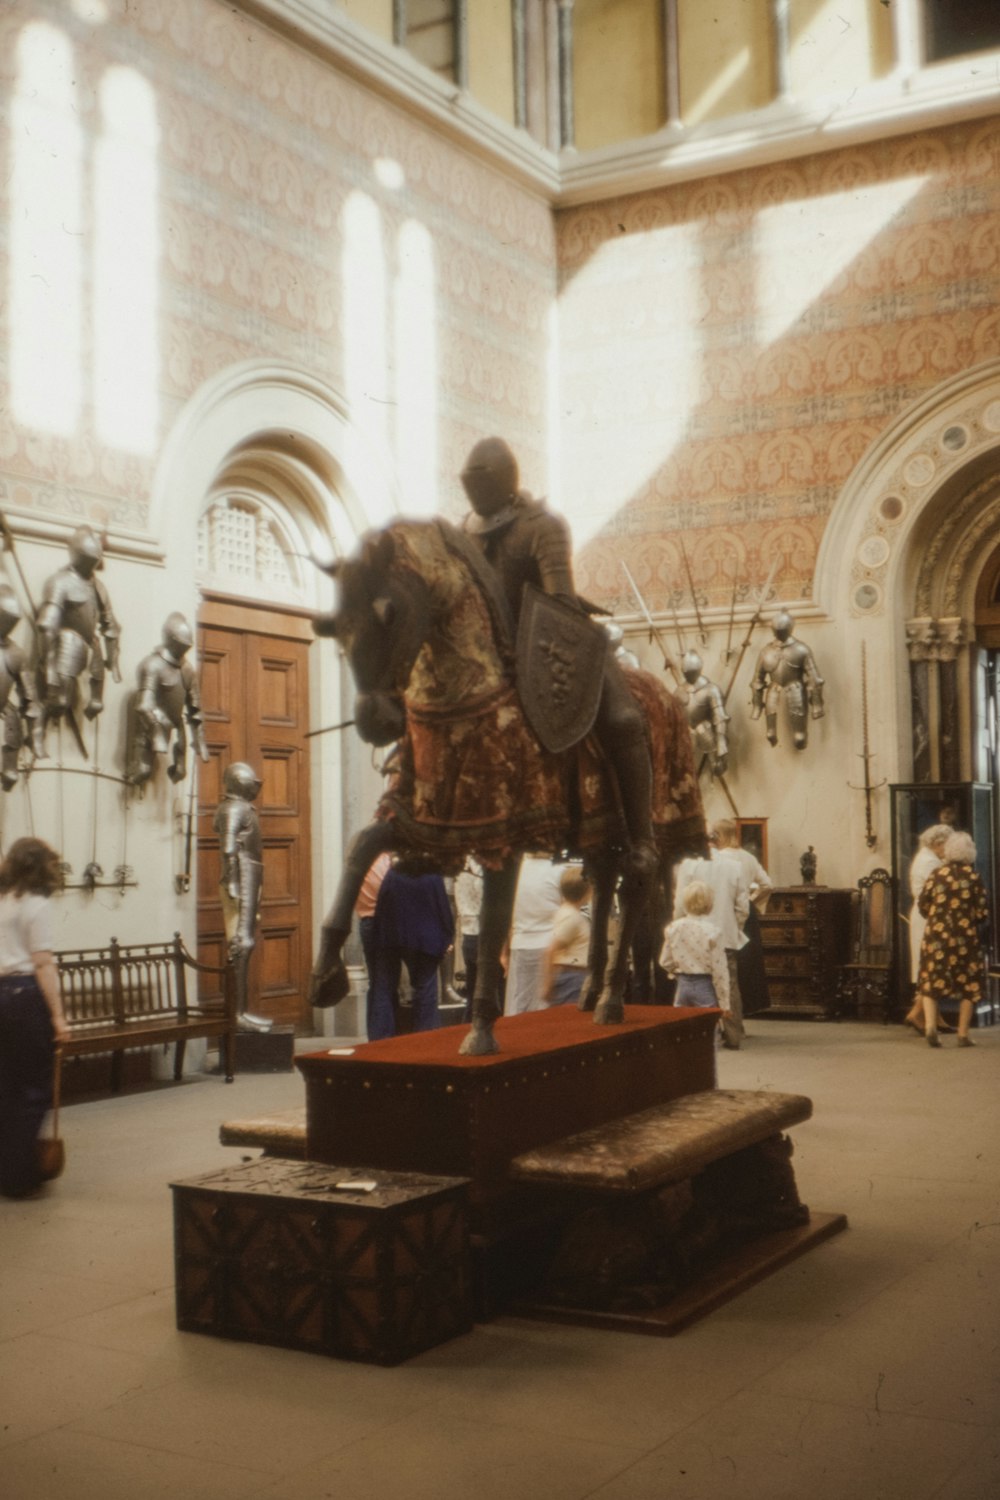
[[519, 1038]]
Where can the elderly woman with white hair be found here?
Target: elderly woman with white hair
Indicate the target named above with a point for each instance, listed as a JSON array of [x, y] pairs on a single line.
[[930, 853], [955, 906]]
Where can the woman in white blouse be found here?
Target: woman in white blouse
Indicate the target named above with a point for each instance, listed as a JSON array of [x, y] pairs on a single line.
[[32, 1022]]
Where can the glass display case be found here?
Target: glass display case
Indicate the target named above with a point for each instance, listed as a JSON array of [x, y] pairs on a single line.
[[967, 805]]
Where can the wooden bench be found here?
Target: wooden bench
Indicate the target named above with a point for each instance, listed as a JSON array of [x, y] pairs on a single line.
[[133, 995], [662, 1145], [281, 1134], [669, 1211]]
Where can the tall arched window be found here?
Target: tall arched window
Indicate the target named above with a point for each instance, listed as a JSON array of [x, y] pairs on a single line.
[[126, 249], [46, 235]]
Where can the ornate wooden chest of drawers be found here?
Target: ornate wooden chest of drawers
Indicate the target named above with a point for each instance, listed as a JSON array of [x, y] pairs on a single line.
[[806, 935], [276, 1253]]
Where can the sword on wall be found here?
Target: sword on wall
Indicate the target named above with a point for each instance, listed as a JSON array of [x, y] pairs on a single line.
[[866, 756]]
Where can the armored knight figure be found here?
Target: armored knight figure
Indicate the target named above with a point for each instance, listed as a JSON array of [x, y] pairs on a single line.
[[77, 627], [168, 695], [706, 714], [238, 830], [20, 710], [786, 669], [584, 688]]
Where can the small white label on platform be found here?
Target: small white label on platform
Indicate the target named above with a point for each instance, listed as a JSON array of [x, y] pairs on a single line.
[[357, 1185], [340, 1051]]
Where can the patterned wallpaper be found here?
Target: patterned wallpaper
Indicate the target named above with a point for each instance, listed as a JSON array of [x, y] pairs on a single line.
[[259, 148], [732, 348]]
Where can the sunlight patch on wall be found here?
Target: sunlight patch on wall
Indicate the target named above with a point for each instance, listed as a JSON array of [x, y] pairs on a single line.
[[714, 93], [126, 237], [631, 370], [46, 235], [803, 246], [416, 371], [366, 348]]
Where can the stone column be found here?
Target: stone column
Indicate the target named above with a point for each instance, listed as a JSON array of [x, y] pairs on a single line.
[[780, 46], [908, 38], [671, 62], [567, 123], [921, 642], [519, 29], [399, 22], [461, 43], [951, 639]]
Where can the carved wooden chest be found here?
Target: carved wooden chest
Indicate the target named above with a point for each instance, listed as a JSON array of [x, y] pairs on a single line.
[[316, 1258]]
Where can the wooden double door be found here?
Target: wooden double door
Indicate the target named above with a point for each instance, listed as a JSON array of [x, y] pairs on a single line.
[[255, 697]]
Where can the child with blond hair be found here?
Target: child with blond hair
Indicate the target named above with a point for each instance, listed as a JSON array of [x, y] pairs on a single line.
[[693, 950]]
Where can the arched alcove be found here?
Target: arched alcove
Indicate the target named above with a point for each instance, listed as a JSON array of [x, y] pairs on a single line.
[[264, 468], [900, 562]]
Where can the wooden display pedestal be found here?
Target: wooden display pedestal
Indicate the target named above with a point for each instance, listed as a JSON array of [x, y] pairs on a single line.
[[720, 1283], [413, 1104]]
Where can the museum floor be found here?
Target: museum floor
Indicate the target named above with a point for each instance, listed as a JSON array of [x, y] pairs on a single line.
[[871, 1368]]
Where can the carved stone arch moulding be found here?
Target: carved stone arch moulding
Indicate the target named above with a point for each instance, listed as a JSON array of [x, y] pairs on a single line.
[[882, 509]]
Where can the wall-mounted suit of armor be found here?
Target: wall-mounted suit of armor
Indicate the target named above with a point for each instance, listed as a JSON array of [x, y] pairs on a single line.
[[168, 696], [77, 629], [706, 714], [20, 709], [786, 670], [237, 827]]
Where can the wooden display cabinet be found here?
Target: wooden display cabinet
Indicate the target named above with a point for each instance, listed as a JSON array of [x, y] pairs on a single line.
[[806, 936]]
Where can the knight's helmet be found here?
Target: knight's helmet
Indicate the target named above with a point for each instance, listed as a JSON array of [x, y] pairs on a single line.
[[691, 666], [85, 551], [10, 609], [241, 780], [782, 625], [490, 476], [177, 636]]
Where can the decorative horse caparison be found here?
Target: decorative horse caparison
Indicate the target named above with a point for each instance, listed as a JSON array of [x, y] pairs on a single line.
[[422, 622]]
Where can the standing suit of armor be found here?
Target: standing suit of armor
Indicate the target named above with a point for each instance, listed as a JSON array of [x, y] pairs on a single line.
[[237, 827], [168, 694], [74, 618], [786, 669], [19, 706], [526, 543]]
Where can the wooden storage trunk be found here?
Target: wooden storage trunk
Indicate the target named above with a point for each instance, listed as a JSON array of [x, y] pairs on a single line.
[[274, 1252]]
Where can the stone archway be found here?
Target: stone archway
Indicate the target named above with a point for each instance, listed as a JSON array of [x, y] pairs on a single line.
[[903, 550]]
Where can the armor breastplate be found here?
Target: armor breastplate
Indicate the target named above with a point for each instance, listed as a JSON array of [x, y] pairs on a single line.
[[76, 600], [788, 664], [171, 692]]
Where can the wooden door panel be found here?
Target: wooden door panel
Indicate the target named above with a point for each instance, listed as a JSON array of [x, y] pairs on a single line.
[[279, 766], [255, 701], [283, 865], [277, 691], [278, 949]]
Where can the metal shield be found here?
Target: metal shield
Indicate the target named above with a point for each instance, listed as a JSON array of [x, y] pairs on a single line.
[[560, 669]]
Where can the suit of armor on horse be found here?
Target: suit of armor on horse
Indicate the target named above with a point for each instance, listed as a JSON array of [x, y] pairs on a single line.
[[424, 618]]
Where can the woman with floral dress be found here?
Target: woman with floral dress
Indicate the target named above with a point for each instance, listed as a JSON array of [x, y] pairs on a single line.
[[955, 906]]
